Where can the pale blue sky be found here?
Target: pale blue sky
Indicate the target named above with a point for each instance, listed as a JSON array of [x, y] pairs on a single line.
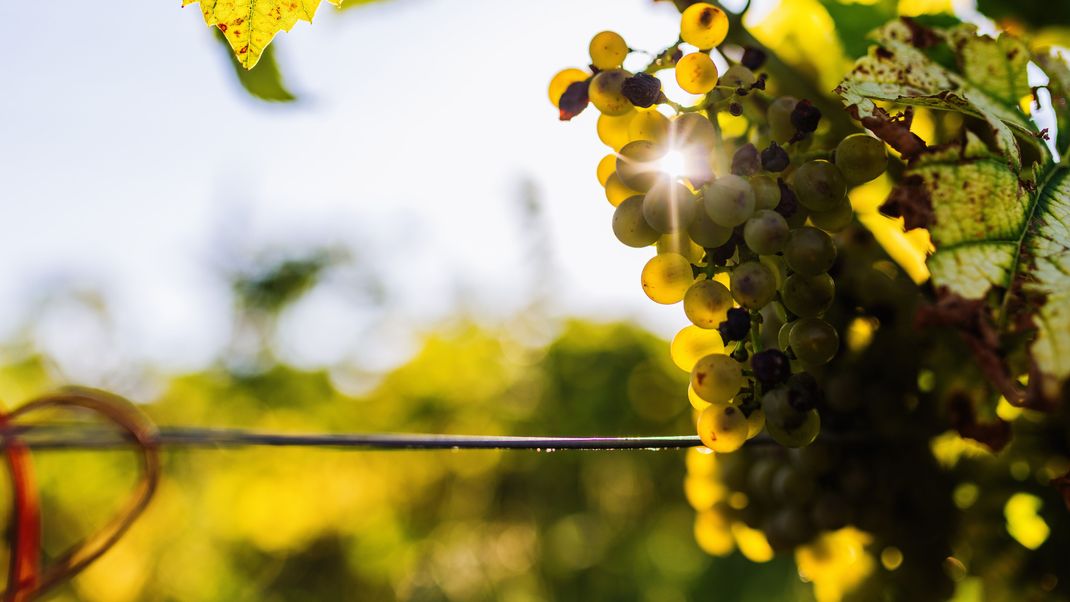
[[128, 155]]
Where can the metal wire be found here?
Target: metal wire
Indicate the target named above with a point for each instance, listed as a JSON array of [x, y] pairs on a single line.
[[72, 437]]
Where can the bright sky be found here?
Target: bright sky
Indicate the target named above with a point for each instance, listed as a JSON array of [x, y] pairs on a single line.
[[129, 158]]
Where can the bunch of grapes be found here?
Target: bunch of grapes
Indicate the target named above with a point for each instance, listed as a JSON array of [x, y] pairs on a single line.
[[741, 225]]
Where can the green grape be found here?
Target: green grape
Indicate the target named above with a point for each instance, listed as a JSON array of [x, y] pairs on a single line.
[[808, 296], [637, 164], [766, 232], [606, 168], [706, 303], [777, 266], [799, 436], [605, 92], [787, 425], [819, 185], [617, 191], [729, 200], [668, 206], [779, 117], [766, 191], [703, 25], [755, 423], [680, 243], [810, 251], [704, 230], [784, 336], [693, 133], [722, 428], [738, 76], [717, 378], [613, 129], [562, 80], [666, 278], [861, 158], [793, 486], [630, 226], [649, 125], [696, 73], [835, 219], [814, 341], [753, 285], [608, 50]]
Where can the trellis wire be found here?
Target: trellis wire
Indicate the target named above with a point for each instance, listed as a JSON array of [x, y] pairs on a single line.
[[71, 437]]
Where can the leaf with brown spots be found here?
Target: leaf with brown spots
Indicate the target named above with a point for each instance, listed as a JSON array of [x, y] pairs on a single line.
[[250, 25], [988, 83]]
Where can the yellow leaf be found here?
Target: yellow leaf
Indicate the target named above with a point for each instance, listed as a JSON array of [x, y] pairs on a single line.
[[250, 25]]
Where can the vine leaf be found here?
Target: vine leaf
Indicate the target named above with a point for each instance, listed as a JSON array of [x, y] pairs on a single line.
[[1000, 229], [988, 80], [250, 25]]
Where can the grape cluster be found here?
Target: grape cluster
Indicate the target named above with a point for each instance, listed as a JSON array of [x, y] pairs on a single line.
[[740, 224]]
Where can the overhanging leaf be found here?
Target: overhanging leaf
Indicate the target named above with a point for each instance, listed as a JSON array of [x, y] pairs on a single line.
[[250, 25], [1000, 229], [988, 81]]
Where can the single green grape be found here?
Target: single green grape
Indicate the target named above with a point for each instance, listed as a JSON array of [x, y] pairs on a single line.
[[784, 335], [666, 278], [722, 428], [703, 25], [835, 219], [808, 296], [629, 225], [766, 232], [606, 167], [696, 73], [777, 266], [766, 191], [810, 251], [753, 285], [729, 200], [819, 185], [649, 125], [605, 92], [787, 425], [778, 115], [755, 423], [861, 158], [707, 303], [814, 341], [680, 243], [704, 230], [637, 164], [608, 50], [738, 76], [617, 191], [717, 378], [668, 206], [693, 134], [799, 436]]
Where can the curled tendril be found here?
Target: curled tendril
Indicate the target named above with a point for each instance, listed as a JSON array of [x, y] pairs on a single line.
[[27, 578]]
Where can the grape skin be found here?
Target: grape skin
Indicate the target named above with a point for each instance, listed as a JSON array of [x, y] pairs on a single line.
[[808, 296], [766, 232], [703, 25], [606, 95], [753, 285], [861, 158], [810, 251], [819, 185], [722, 428], [608, 50], [778, 115], [617, 191], [668, 206], [814, 341], [729, 200], [637, 164], [717, 378], [630, 226], [696, 73], [666, 278], [707, 303], [766, 191], [704, 230]]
